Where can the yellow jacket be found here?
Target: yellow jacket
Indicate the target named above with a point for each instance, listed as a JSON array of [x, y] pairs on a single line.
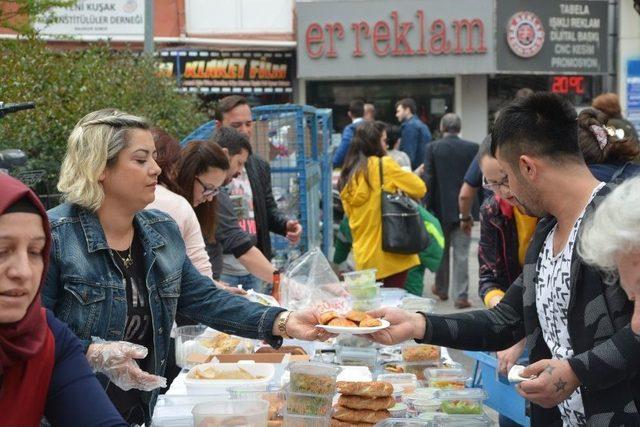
[[362, 205]]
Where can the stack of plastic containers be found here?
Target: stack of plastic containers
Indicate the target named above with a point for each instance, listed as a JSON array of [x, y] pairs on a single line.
[[310, 393], [418, 357], [364, 291]]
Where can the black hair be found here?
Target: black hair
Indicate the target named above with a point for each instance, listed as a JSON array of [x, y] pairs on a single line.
[[542, 124], [408, 103], [615, 150], [356, 108], [393, 135], [232, 140], [484, 149]]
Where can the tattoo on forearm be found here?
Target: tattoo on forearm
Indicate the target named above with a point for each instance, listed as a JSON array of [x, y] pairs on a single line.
[[549, 369], [560, 385]]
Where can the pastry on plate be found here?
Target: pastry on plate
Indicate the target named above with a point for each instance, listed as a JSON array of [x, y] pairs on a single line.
[[342, 322], [327, 317], [356, 316], [370, 322]]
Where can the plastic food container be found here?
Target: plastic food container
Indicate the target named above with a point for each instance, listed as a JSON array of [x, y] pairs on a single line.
[[409, 382], [421, 353], [446, 378], [360, 278], [292, 420], [313, 377], [231, 413], [175, 411], [365, 291], [392, 297], [367, 304], [275, 397], [265, 372], [314, 405], [462, 402], [357, 356], [187, 344], [425, 305], [444, 420], [418, 368], [399, 422], [418, 404], [398, 411]]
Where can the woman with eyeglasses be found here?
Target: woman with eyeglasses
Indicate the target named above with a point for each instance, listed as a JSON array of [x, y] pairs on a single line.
[[505, 233], [189, 183], [119, 274]]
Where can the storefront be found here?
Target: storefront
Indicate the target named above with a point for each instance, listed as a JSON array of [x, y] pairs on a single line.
[[264, 77], [470, 59]]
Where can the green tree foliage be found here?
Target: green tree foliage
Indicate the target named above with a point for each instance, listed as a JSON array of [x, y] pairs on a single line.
[[66, 85], [20, 15]]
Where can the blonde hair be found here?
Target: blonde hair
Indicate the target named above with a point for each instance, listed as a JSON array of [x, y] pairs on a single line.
[[94, 144], [614, 227]]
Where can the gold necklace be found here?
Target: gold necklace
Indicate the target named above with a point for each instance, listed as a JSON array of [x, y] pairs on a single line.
[[126, 261]]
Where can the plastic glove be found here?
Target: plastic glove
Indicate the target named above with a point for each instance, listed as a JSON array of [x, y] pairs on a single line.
[[115, 359]]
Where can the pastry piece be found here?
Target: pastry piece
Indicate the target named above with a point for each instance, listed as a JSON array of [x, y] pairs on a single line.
[[338, 423], [327, 317], [420, 353], [356, 316], [370, 322], [291, 349], [366, 389], [342, 322], [359, 416], [359, 402]]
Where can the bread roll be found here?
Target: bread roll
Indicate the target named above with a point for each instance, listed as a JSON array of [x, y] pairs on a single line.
[[359, 416], [366, 389], [342, 322], [371, 403], [370, 322], [338, 423]]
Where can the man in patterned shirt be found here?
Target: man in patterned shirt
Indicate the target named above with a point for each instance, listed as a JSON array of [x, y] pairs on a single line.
[[583, 354]]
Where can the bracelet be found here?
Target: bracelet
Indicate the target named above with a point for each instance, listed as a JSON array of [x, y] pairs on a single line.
[[282, 324]]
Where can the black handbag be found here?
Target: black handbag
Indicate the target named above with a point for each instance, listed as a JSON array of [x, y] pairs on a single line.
[[403, 231]]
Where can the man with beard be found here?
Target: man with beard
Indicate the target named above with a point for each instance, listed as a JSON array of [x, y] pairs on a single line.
[[582, 351]]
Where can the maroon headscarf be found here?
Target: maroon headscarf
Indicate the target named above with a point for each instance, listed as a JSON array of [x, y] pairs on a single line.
[[24, 338]]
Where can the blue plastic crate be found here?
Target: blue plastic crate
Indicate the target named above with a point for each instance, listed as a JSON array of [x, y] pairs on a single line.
[[503, 398]]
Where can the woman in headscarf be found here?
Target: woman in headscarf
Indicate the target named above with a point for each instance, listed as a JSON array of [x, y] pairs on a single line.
[[43, 369]]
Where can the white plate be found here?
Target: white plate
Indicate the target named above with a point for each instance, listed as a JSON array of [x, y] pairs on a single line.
[[354, 331]]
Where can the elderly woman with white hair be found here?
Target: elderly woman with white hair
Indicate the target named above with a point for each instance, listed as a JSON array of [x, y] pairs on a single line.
[[611, 240]]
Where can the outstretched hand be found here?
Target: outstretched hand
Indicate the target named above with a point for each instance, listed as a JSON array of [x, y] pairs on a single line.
[[404, 325]]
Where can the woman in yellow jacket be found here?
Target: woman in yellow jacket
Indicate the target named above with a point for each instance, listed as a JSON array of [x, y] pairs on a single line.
[[360, 192]]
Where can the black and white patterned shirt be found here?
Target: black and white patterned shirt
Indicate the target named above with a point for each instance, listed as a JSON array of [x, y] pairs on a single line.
[[552, 302]]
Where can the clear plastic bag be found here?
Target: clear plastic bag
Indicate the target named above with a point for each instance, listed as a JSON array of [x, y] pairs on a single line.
[[310, 282]]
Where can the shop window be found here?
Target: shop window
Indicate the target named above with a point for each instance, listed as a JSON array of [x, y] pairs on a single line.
[[434, 98]]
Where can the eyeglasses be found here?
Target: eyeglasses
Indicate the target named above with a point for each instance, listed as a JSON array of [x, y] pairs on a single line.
[[207, 190], [495, 186]]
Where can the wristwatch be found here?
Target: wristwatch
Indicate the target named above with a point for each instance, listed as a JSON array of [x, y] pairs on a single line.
[[465, 218], [282, 320]]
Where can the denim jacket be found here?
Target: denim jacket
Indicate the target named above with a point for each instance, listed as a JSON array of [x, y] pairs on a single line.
[[86, 289]]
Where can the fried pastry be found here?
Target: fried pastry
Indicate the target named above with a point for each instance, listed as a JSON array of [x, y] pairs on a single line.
[[370, 322], [327, 317], [359, 416], [366, 389], [356, 316], [342, 322], [371, 403]]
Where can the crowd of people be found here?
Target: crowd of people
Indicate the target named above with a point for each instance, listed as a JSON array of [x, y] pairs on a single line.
[[154, 231]]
